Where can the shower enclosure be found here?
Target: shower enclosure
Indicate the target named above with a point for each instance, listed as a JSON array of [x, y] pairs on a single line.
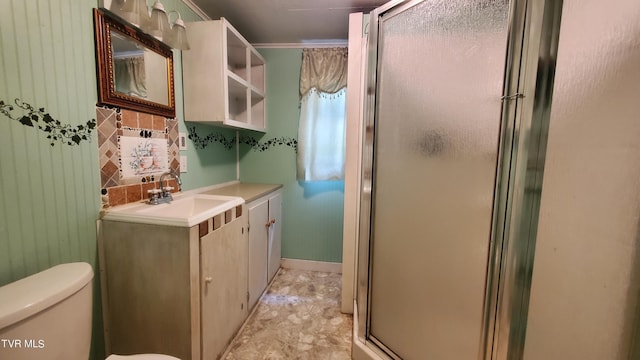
[[500, 200]]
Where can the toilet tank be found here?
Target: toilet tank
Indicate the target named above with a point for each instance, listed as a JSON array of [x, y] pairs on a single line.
[[47, 315]]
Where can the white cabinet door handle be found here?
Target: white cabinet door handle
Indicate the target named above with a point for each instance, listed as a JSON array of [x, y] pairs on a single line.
[[208, 279]]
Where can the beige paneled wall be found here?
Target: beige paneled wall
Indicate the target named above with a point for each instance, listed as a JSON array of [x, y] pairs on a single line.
[[585, 286]]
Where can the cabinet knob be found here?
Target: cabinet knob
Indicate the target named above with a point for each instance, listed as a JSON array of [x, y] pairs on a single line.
[[273, 221], [208, 279]]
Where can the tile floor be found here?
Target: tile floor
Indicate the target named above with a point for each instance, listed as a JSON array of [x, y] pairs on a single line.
[[297, 318]]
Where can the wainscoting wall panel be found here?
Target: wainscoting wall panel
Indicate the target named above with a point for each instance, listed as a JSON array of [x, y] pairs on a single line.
[[50, 189], [49, 203]]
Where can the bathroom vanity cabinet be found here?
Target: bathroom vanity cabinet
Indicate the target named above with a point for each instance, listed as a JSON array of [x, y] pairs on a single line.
[[180, 291], [223, 77], [265, 233], [264, 205]]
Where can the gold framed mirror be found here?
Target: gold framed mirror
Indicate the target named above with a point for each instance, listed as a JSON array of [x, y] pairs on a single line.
[[135, 70]]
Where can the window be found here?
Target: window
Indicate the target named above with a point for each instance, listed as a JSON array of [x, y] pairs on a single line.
[[321, 131]]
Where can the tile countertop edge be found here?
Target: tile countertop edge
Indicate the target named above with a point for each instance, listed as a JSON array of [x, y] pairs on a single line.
[[247, 191]]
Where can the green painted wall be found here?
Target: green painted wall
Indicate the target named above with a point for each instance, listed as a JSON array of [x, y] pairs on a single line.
[[50, 195], [214, 164], [312, 212]]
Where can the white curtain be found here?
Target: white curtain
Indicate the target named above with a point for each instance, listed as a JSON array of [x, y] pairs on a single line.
[[321, 131], [130, 76]]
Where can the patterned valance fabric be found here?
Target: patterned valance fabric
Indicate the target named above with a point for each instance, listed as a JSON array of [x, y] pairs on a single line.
[[324, 69]]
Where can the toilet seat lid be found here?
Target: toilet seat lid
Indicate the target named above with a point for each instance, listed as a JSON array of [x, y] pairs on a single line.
[[141, 357]]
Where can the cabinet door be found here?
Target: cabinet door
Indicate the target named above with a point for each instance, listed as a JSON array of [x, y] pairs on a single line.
[[147, 281], [275, 234], [258, 249], [223, 279]]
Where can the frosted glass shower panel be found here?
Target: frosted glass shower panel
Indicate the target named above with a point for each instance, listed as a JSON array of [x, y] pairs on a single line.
[[438, 115], [586, 274]]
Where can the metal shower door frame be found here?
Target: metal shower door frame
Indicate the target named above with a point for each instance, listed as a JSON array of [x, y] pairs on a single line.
[[528, 86]]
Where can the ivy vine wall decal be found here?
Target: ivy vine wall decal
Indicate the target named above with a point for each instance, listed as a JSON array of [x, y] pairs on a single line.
[[203, 142], [279, 141], [57, 131], [228, 143]]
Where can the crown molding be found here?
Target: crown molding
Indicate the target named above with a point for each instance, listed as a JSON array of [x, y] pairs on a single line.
[[196, 9], [302, 45]]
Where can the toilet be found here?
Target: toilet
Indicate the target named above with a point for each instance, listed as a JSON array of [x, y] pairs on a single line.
[[48, 316]]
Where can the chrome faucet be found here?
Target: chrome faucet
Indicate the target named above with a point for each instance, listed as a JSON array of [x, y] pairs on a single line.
[[163, 195]]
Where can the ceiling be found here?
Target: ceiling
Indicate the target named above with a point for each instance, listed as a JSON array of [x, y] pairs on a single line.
[[288, 21]]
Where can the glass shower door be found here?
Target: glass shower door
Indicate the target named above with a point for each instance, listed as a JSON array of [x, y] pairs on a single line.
[[440, 71]]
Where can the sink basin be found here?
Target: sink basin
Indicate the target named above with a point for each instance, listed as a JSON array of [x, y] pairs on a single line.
[[186, 211]]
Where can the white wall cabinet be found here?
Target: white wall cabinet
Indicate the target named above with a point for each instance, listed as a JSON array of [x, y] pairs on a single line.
[[265, 233], [223, 77], [174, 290]]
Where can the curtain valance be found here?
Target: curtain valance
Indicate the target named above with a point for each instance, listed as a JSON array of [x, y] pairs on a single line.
[[130, 76], [324, 69]]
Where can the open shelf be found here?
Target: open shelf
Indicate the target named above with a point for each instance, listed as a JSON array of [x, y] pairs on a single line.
[[257, 109], [257, 70], [237, 54], [237, 100], [224, 77]]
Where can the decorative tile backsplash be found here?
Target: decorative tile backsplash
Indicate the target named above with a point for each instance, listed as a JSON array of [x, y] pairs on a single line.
[[135, 149], [142, 156]]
